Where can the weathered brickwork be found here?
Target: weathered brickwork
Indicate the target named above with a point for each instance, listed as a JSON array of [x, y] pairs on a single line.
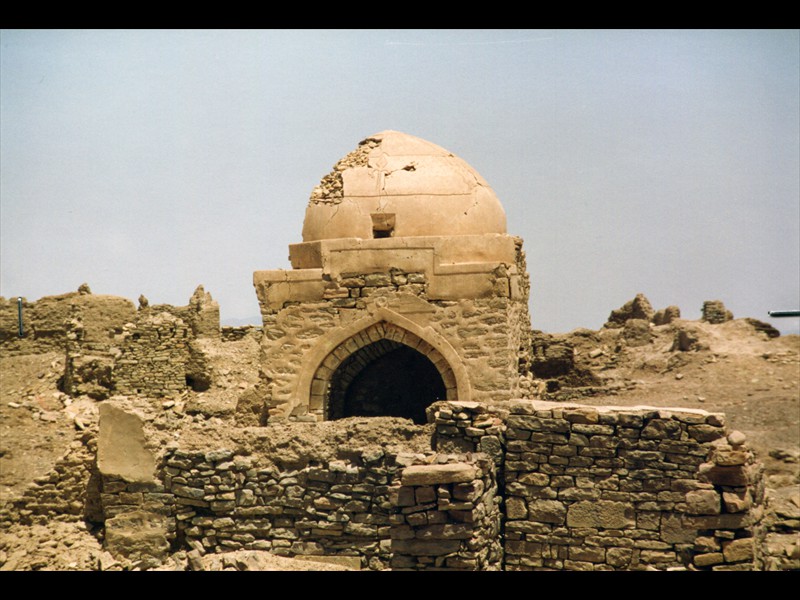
[[151, 352]]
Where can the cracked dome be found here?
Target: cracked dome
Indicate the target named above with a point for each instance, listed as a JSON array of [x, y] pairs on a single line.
[[398, 185]]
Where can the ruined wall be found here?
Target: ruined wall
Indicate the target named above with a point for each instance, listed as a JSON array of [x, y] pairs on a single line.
[[371, 511], [519, 485], [447, 515], [153, 357], [150, 351], [46, 321], [591, 488], [70, 489]]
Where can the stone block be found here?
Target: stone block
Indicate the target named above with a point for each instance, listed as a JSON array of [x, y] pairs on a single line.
[[587, 553], [711, 558], [547, 511], [705, 433], [516, 508], [601, 514], [121, 450], [703, 502], [619, 557], [425, 494], [737, 501], [729, 457], [436, 474], [740, 550]]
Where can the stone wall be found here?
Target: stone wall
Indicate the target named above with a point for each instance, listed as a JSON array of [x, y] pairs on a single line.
[[480, 346], [70, 489], [596, 488], [153, 358], [151, 351], [447, 515], [517, 485], [372, 511]]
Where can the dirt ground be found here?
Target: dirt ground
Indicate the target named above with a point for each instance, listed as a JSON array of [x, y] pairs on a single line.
[[736, 370]]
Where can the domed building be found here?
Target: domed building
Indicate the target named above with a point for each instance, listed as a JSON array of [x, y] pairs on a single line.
[[406, 289]]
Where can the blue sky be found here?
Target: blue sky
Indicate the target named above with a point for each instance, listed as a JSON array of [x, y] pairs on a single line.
[[665, 162]]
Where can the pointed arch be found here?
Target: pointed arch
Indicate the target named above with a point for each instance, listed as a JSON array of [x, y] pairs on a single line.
[[383, 323]]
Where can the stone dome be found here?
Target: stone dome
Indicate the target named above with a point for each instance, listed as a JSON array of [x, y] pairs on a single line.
[[398, 185]]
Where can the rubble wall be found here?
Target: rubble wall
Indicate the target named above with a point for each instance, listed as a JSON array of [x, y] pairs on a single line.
[[372, 511], [153, 357], [71, 489], [519, 485], [600, 488]]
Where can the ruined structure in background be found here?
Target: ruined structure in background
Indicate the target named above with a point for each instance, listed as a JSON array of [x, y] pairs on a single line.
[[113, 348], [406, 289]]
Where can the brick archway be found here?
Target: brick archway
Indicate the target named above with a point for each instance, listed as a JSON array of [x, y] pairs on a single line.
[[355, 353]]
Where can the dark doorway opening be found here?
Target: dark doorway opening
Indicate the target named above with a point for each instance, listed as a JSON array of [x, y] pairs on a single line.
[[385, 379]]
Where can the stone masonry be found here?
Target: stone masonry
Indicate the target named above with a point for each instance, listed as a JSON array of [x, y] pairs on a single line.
[[517, 485], [402, 242]]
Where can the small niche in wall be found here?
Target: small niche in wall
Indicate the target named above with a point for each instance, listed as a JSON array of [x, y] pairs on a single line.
[[382, 225]]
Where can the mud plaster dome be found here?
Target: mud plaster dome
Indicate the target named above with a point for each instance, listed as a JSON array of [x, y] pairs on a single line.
[[398, 185]]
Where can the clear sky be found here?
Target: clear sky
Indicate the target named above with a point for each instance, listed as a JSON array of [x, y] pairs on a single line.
[[657, 161]]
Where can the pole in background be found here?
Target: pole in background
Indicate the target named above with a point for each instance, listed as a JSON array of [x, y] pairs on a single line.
[[19, 313], [784, 313]]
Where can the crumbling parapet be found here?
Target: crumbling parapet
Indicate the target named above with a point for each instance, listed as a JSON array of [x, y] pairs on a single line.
[[203, 314], [153, 351], [638, 308], [447, 515], [714, 312]]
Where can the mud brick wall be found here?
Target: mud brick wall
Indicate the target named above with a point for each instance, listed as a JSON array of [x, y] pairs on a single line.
[[46, 321], [594, 488], [448, 515], [70, 489]]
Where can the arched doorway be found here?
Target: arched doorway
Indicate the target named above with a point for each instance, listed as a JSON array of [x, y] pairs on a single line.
[[382, 370], [385, 378]]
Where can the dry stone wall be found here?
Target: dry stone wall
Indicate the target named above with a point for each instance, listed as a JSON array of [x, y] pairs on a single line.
[[70, 489], [518, 485], [153, 357], [447, 515], [589, 488], [375, 510]]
